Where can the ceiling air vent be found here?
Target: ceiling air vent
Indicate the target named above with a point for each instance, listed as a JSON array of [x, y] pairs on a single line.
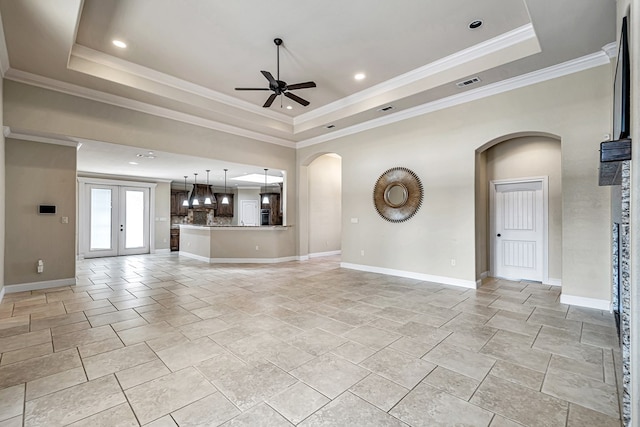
[[330, 126], [387, 108], [468, 82]]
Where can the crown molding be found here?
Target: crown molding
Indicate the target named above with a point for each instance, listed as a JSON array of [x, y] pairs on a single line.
[[4, 53], [119, 101], [566, 68], [168, 81], [573, 66], [611, 49], [488, 47], [46, 139]]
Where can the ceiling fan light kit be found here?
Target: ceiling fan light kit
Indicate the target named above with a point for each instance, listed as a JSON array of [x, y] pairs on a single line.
[[280, 87]]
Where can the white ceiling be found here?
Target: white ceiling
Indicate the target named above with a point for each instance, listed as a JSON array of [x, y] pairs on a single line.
[[188, 57]]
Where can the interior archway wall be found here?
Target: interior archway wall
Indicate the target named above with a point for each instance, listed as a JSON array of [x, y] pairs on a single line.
[[325, 205], [320, 205], [518, 156]]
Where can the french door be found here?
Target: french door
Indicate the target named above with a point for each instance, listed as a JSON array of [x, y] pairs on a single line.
[[117, 220]]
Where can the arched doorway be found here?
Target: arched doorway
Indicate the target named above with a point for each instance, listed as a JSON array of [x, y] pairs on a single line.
[[321, 176], [515, 173]]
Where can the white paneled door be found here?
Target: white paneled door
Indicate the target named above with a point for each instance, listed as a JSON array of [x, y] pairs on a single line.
[[249, 212], [118, 220], [518, 215]]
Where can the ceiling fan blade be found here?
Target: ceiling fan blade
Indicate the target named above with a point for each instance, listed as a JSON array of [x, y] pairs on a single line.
[[252, 88], [296, 98], [301, 85], [269, 77], [270, 100]]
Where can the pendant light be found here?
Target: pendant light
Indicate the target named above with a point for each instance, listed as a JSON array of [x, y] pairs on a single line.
[[207, 199], [225, 199], [265, 198], [185, 202], [194, 198]]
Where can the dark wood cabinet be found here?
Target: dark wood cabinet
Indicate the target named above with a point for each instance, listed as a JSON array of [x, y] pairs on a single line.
[[174, 242], [177, 197], [275, 214], [224, 210]]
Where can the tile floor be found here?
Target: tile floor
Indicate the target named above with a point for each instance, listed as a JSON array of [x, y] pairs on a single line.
[[162, 341]]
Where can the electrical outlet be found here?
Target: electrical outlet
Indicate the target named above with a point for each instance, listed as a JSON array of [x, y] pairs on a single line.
[[453, 262], [257, 248], [40, 267], [362, 252]]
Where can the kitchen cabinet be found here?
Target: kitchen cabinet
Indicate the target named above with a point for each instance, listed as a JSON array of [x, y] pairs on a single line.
[[177, 197], [224, 210], [174, 241], [275, 213]]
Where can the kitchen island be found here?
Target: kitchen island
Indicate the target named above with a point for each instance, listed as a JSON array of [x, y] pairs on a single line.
[[237, 244]]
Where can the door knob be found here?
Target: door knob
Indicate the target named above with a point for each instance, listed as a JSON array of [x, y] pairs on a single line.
[[499, 235]]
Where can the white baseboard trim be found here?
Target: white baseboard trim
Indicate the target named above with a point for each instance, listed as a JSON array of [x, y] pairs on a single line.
[[469, 284], [600, 304], [553, 282], [303, 258], [484, 275], [194, 256], [239, 260], [162, 251], [253, 260], [35, 286], [322, 254], [1, 294]]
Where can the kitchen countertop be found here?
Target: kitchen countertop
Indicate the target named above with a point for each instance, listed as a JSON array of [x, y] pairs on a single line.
[[235, 227]]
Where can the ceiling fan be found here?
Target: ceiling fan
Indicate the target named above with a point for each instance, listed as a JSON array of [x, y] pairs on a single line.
[[280, 87]]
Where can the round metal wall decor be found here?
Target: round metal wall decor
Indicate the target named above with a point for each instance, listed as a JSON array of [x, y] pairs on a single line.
[[397, 194]]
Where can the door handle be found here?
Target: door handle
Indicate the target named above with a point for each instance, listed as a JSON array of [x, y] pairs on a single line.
[[499, 235]]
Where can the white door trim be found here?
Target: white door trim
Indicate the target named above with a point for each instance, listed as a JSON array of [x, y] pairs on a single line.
[[544, 180], [83, 214]]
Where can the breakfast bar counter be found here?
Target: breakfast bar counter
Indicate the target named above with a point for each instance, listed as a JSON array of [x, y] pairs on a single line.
[[237, 244]]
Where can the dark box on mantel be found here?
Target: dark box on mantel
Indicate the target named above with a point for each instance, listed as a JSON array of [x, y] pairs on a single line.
[[615, 151]]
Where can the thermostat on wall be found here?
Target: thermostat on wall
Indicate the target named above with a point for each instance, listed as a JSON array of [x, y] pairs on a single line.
[[47, 209]]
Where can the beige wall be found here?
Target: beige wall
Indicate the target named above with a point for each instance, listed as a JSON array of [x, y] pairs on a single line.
[[532, 157], [38, 173], [162, 215], [325, 204], [34, 109], [441, 148], [2, 193]]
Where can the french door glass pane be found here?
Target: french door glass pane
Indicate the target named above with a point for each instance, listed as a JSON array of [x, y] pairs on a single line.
[[134, 219], [100, 219]]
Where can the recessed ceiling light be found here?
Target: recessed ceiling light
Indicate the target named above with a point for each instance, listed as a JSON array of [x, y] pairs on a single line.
[[289, 107], [359, 76], [119, 43], [330, 126], [475, 24], [133, 163]]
